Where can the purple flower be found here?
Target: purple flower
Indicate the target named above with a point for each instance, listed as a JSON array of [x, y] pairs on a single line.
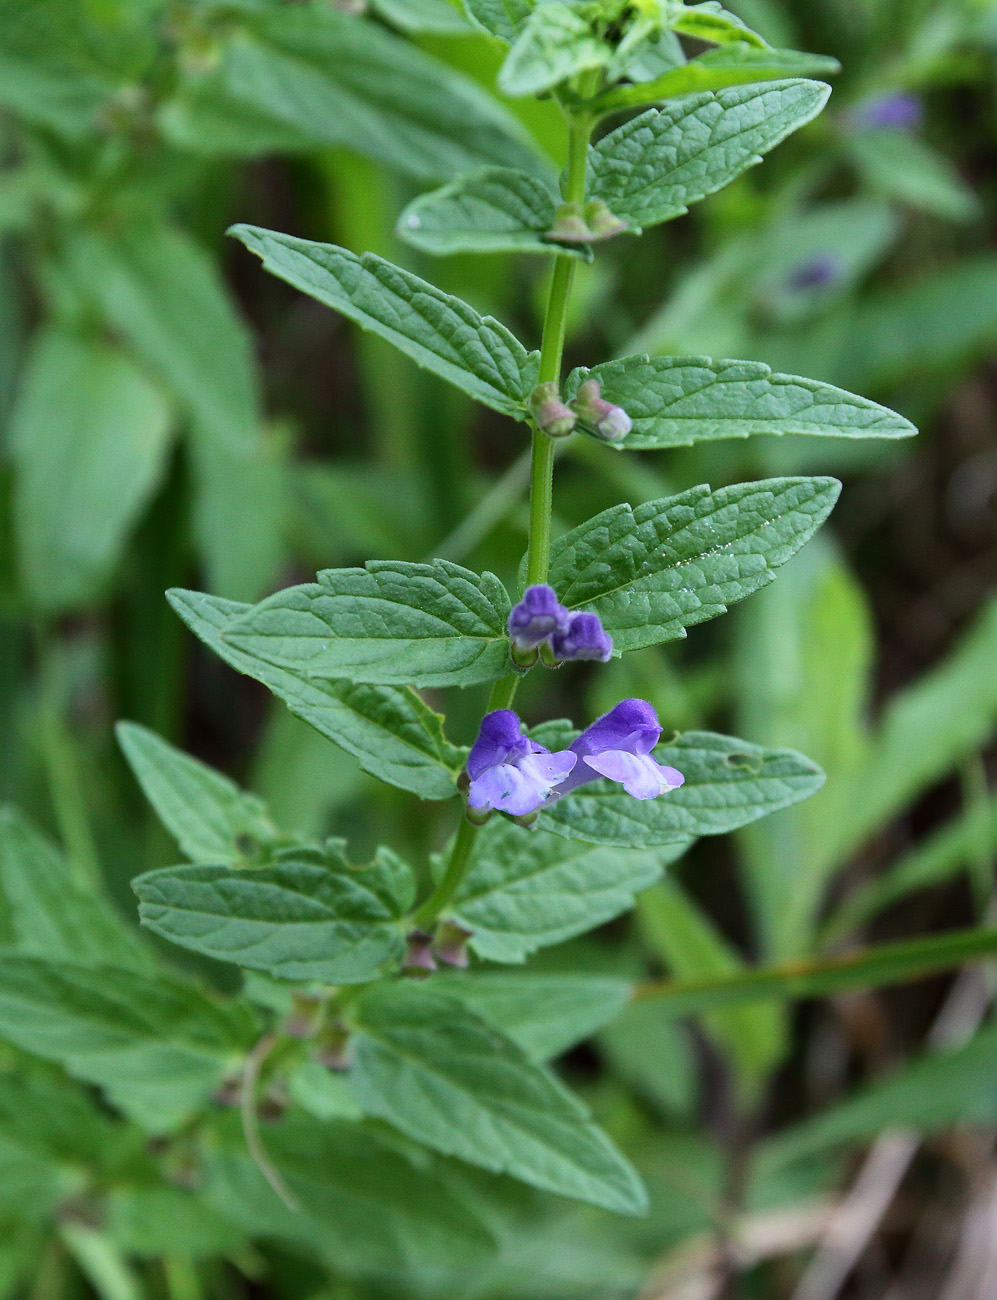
[[618, 745], [899, 110], [536, 616], [816, 272], [508, 771], [582, 636]]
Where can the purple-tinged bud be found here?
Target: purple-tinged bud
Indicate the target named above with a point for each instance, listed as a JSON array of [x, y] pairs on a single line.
[[582, 637], [418, 958], [816, 272], [552, 416], [606, 421], [304, 1018], [570, 226], [534, 618], [601, 222], [899, 110], [450, 944], [334, 1050], [228, 1092], [273, 1104]]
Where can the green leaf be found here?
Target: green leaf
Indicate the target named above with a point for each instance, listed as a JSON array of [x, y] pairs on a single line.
[[157, 1047], [45, 912], [556, 43], [49, 1130], [888, 963], [437, 16], [936, 1092], [502, 18], [441, 333], [390, 623], [241, 512], [684, 937], [925, 731], [292, 79], [90, 437], [155, 1221], [729, 65], [445, 1077], [366, 1207], [162, 293], [297, 920], [728, 783], [206, 813], [652, 572], [50, 72], [651, 168], [709, 21], [389, 730], [676, 401], [526, 889], [936, 859], [544, 1014], [904, 168], [490, 211], [803, 676]]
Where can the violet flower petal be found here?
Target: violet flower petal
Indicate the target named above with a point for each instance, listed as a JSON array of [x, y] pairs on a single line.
[[639, 774]]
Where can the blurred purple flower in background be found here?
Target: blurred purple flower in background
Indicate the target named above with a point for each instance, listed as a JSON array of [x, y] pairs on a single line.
[[897, 110], [582, 637], [509, 772], [618, 746], [816, 272]]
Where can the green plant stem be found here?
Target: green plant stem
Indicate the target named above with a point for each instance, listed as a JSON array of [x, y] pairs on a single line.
[[551, 354], [460, 856]]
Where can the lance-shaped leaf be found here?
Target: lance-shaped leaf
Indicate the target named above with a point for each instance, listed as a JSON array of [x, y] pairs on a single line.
[[651, 168], [652, 572], [437, 16], [495, 210], [709, 21], [45, 910], [728, 783], [502, 18], [391, 622], [208, 815], [90, 436], [365, 1206], [439, 332], [297, 920], [156, 1046], [556, 43], [675, 401], [293, 78], [389, 730], [429, 1065], [544, 1014], [729, 65], [526, 890]]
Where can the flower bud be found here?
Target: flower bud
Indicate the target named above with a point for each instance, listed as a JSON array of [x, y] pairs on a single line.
[[334, 1051], [535, 617], [582, 637], [570, 226], [601, 222], [450, 944], [609, 422], [304, 1018], [418, 958], [552, 416]]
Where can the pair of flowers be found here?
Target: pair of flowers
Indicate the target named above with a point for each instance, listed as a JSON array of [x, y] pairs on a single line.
[[540, 619]]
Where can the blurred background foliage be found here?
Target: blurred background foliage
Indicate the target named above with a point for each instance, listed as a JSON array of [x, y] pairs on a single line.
[[171, 416]]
